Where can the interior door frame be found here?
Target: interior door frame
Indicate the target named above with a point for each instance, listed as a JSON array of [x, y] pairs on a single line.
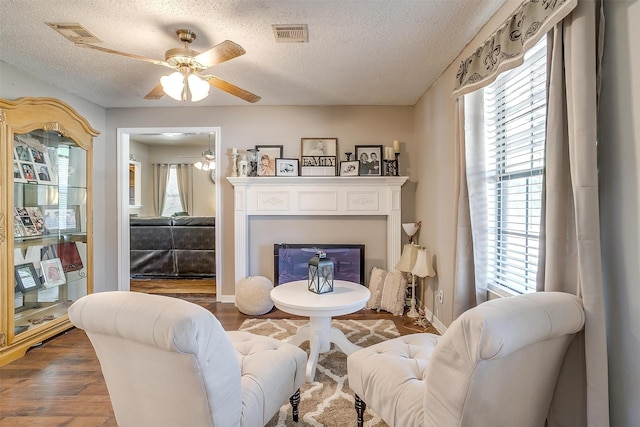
[[122, 191]]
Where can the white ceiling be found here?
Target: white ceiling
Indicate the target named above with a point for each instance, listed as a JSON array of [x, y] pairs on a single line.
[[171, 139], [360, 52]]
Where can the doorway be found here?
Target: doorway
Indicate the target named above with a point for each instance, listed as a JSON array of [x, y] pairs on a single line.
[[124, 136]]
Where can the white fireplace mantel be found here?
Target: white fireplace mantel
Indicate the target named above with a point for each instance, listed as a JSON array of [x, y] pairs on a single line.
[[316, 196]]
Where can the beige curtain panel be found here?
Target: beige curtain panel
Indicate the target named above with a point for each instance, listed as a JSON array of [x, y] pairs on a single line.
[[185, 185], [570, 238], [160, 177], [505, 49]]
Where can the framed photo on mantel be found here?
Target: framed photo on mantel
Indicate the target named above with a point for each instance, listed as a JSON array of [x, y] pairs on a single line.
[[287, 167], [369, 157], [318, 156], [269, 154]]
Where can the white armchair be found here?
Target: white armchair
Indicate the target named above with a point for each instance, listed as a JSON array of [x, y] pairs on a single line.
[[168, 362], [496, 365]]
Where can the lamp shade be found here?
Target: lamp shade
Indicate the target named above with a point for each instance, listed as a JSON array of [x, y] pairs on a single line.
[[172, 85], [411, 228], [179, 87], [423, 267], [408, 258], [199, 88]]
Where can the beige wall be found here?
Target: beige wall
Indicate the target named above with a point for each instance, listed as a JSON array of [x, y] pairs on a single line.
[[244, 127]]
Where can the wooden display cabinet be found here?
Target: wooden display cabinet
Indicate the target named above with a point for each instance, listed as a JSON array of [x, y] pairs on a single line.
[[46, 248]]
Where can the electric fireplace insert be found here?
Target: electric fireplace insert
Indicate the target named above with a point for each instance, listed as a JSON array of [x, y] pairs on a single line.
[[291, 261]]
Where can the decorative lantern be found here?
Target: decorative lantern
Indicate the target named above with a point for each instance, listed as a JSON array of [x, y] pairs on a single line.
[[320, 274]]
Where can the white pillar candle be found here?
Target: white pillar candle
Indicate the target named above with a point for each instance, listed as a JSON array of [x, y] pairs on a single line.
[[388, 153], [396, 146], [234, 150]]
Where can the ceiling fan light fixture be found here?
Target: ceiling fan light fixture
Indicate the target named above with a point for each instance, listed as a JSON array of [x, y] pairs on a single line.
[[208, 162], [181, 88], [208, 155], [205, 164], [199, 88], [173, 85]]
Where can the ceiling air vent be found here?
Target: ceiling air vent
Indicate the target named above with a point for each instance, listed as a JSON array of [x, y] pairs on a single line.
[[297, 33], [74, 32]]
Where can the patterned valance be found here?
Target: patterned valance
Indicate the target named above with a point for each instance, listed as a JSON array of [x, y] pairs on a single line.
[[505, 49]]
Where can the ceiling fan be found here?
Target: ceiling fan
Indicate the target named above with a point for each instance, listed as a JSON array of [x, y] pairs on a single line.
[[188, 81]]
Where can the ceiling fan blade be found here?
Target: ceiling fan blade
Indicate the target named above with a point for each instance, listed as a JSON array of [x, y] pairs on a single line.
[[155, 93], [220, 53], [126, 55], [232, 89]]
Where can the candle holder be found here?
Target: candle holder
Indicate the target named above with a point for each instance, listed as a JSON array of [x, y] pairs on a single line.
[[387, 167], [396, 165], [391, 166]]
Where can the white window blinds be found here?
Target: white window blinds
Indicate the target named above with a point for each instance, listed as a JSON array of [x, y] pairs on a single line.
[[515, 117]]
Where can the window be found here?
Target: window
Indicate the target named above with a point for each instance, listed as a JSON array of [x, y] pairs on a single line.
[[515, 120], [172, 202]]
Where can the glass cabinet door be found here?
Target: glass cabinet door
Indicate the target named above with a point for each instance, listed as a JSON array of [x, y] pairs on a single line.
[[49, 227]]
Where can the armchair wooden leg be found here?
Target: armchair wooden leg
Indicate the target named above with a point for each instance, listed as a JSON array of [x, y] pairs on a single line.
[[295, 400], [360, 407]]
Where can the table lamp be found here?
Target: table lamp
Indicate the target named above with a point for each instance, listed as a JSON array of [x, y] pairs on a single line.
[[423, 268], [406, 264]]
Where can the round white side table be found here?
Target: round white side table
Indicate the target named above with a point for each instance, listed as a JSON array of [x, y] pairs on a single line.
[[295, 298]]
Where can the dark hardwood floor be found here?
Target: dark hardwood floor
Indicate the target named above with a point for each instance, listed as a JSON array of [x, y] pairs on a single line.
[[174, 286], [59, 383]]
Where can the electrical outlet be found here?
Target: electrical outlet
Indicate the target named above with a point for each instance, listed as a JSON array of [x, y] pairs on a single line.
[[440, 297]]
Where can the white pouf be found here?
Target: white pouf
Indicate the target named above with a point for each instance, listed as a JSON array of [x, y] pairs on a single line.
[[253, 295]]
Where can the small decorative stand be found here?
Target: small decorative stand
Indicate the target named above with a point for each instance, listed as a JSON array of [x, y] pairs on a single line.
[[234, 162]]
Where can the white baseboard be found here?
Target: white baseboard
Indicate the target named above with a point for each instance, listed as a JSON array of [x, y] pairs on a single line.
[[435, 322], [226, 299]]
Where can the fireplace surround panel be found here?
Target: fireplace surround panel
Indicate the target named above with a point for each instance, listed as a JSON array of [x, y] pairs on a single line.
[[315, 196]]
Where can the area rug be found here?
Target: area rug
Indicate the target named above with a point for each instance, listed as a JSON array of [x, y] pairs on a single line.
[[327, 401]]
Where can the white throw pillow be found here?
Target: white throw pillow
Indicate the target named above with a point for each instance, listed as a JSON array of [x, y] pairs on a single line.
[[393, 293], [376, 284]]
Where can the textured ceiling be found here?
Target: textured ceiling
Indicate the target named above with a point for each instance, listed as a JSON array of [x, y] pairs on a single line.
[[360, 52]]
